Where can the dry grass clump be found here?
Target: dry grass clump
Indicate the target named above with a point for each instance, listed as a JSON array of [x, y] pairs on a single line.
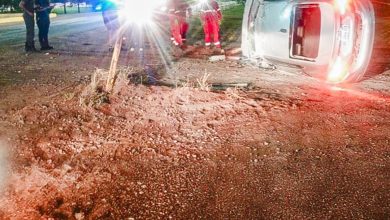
[[203, 84], [93, 94]]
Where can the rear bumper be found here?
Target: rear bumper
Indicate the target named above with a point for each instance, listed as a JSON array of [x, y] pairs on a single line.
[[354, 32], [353, 47], [365, 42]]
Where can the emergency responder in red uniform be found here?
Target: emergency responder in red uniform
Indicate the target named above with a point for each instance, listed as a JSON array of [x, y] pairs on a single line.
[[178, 12], [211, 17]]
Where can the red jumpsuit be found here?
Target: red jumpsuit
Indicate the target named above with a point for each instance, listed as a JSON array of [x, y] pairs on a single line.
[[179, 26], [211, 16]]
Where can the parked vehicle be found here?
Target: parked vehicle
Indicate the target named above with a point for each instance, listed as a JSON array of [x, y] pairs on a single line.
[[330, 39], [6, 8]]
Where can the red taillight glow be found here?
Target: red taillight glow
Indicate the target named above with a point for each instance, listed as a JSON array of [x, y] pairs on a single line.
[[338, 71], [342, 5]]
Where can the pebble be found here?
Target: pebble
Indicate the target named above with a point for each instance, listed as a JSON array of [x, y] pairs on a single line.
[[79, 216]]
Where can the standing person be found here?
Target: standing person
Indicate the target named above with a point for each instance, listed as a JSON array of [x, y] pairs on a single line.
[[186, 13], [211, 17], [28, 15], [111, 21], [179, 10], [43, 10]]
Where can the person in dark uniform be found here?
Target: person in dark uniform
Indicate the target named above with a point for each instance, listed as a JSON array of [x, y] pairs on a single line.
[[28, 15], [111, 21], [43, 10]]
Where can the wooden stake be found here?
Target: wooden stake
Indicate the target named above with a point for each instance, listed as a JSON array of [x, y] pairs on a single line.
[[112, 74]]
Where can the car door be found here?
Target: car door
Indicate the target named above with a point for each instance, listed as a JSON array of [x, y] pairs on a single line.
[[272, 29]]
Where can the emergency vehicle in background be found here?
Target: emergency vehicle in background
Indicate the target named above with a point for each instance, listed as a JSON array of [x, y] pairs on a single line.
[[329, 39]]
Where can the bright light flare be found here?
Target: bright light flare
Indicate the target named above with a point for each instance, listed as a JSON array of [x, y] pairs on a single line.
[[287, 12], [338, 72], [342, 5], [139, 12], [355, 92]]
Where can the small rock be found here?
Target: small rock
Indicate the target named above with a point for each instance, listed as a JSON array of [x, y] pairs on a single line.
[[217, 58], [79, 216]]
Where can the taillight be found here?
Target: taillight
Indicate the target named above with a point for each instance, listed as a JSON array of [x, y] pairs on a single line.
[[340, 69]]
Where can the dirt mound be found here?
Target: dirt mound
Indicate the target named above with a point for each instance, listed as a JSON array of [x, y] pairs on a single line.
[[154, 152], [99, 162]]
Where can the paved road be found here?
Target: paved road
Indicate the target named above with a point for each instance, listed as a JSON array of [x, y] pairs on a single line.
[[14, 34], [85, 34]]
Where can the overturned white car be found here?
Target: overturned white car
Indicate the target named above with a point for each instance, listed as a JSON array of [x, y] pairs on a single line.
[[330, 39]]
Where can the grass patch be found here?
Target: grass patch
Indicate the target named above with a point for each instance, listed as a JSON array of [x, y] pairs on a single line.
[[230, 26], [71, 10]]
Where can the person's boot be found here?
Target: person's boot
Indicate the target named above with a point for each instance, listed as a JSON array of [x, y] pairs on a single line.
[[33, 49], [45, 46], [27, 47], [30, 47]]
